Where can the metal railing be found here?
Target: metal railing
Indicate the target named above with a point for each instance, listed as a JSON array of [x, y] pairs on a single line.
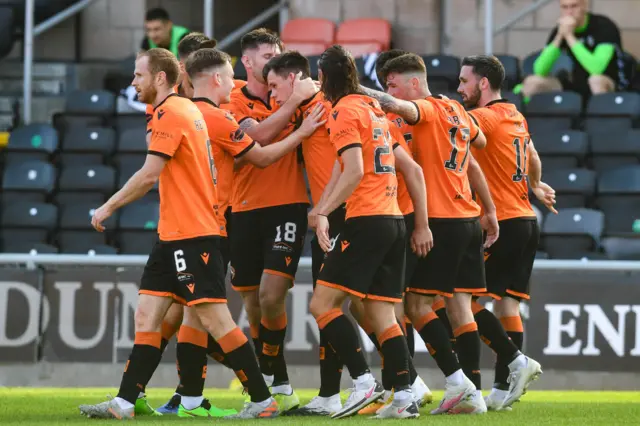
[[490, 31], [33, 260]]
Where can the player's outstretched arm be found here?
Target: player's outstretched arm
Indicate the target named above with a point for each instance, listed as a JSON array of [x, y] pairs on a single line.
[[263, 156], [405, 109], [422, 239], [137, 186], [479, 183], [265, 131]]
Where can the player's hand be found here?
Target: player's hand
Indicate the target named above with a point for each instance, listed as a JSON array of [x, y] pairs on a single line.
[[312, 218], [567, 25], [546, 195], [303, 88], [322, 232], [314, 120], [489, 223], [99, 216], [422, 241]]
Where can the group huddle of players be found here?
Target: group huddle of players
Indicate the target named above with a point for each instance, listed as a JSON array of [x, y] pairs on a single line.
[[398, 229]]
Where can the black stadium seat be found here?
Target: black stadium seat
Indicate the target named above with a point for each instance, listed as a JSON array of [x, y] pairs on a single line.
[[90, 178], [28, 181], [87, 145], [511, 66], [613, 111], [82, 247], [561, 149], [138, 223], [123, 122], [572, 231], [574, 187], [64, 122], [78, 216], [62, 199], [99, 102], [553, 111], [26, 247], [619, 198], [132, 140], [442, 72], [28, 222], [614, 149], [619, 248], [32, 142], [67, 239], [514, 99]]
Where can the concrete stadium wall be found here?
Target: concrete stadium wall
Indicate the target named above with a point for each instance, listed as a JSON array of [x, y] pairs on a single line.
[[112, 29]]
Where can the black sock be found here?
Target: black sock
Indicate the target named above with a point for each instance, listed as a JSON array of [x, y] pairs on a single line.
[[272, 334], [492, 333], [255, 339], [387, 379], [514, 329], [243, 361], [330, 369], [142, 363], [435, 336], [468, 349], [413, 374], [192, 360], [442, 314], [163, 344], [344, 339], [396, 355], [411, 339], [215, 351]]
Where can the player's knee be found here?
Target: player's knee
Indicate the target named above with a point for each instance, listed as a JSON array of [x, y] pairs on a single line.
[[144, 318], [317, 306], [416, 306], [173, 317], [357, 310], [600, 84]]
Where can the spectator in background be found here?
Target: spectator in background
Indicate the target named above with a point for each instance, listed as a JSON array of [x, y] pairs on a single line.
[[161, 32], [594, 45]]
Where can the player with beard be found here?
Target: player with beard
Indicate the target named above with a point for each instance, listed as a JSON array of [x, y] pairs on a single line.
[[185, 265], [508, 159]]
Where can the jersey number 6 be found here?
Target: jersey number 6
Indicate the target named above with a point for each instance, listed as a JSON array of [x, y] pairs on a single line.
[[380, 150]]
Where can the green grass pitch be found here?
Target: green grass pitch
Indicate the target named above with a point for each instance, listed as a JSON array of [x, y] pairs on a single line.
[[47, 406]]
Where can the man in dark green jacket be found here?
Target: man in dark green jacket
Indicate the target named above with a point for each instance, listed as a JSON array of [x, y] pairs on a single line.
[[593, 43], [161, 32]]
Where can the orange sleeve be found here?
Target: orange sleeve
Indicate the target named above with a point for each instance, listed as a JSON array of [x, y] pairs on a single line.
[[426, 111], [231, 138], [166, 135], [344, 131], [239, 109], [484, 119]]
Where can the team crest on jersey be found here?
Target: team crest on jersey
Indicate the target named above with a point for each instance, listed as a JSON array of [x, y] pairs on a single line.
[[237, 136]]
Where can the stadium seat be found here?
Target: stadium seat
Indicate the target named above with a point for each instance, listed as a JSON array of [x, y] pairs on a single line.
[[26, 247], [309, 36], [584, 256], [28, 181], [619, 248], [32, 142], [561, 149], [511, 66], [64, 122], [613, 111], [572, 231], [88, 178], [539, 214], [98, 102], [574, 187], [87, 145], [542, 255], [28, 221], [619, 198], [132, 140], [362, 36], [553, 110], [138, 223], [78, 217], [514, 98], [90, 249], [122, 122], [62, 199], [442, 72], [75, 238], [127, 165], [614, 149]]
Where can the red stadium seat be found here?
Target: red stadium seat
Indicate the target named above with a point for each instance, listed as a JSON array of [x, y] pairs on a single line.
[[365, 31], [308, 36]]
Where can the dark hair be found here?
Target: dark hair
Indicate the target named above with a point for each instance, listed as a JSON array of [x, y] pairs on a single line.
[[253, 39], [162, 60], [339, 73], [383, 58], [487, 66], [204, 59], [408, 63], [285, 63], [157, 14], [192, 42]]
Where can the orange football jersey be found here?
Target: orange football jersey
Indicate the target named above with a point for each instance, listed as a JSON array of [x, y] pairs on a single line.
[[400, 133]]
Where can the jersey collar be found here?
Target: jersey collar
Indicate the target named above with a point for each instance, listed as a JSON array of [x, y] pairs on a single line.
[[498, 101], [165, 100], [248, 95], [205, 100], [308, 101]]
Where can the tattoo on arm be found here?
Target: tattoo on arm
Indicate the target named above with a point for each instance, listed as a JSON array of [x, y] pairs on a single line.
[[404, 109], [247, 124]]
